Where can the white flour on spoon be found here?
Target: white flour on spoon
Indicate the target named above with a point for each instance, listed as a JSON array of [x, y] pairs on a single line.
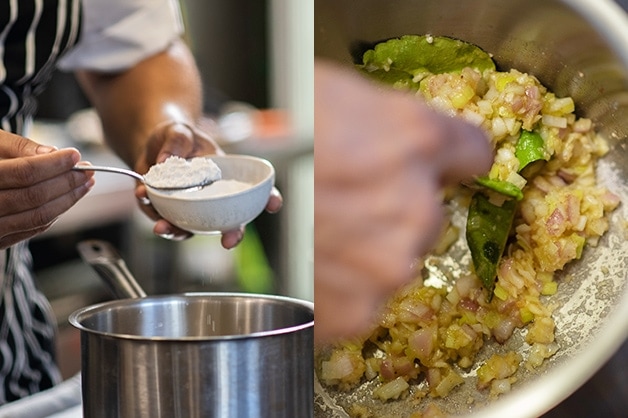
[[177, 172]]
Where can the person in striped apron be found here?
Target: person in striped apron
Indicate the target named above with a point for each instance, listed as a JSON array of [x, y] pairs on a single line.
[[143, 81]]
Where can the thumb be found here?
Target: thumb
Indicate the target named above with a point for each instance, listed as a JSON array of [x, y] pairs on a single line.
[[469, 154], [13, 146]]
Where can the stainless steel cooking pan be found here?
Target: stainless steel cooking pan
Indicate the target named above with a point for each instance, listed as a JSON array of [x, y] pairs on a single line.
[[577, 48], [193, 355]]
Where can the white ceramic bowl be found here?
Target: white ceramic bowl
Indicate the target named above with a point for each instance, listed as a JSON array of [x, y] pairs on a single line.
[[201, 212]]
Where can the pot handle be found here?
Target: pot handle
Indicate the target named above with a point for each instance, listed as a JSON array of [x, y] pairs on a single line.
[[111, 268]]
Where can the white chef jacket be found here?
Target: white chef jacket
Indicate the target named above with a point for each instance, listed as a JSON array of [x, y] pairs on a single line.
[[119, 33]]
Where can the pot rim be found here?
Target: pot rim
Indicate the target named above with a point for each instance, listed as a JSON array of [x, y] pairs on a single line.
[[77, 317]]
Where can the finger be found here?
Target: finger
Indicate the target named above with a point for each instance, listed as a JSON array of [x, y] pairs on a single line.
[[44, 215], [18, 200], [205, 144], [185, 141], [23, 172], [144, 203], [467, 152], [166, 230], [344, 312], [12, 239], [275, 201], [13, 146], [179, 140], [232, 238], [162, 228]]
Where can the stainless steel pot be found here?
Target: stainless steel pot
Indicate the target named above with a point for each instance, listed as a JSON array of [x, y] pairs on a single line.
[[192, 355], [577, 48]]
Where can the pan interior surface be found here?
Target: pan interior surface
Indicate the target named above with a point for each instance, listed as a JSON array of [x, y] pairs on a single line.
[[200, 316], [576, 48]]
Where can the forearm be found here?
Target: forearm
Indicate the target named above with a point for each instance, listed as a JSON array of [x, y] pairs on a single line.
[[165, 87]]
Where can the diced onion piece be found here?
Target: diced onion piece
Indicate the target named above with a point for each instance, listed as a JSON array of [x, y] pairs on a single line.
[[541, 331], [372, 367], [498, 126], [516, 179], [421, 342], [447, 383], [549, 288], [472, 117], [539, 352], [504, 330], [456, 337], [461, 96], [498, 367], [344, 368], [554, 121], [392, 389], [500, 386], [466, 284], [562, 106], [582, 125], [447, 239], [336, 369], [500, 292]]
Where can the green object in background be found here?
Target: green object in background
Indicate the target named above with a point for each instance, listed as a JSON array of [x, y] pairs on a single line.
[[253, 272]]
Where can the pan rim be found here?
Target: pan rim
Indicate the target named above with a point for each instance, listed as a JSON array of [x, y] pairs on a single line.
[[78, 317]]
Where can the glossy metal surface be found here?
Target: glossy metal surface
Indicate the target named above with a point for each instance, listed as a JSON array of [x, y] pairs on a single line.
[[197, 355], [577, 48]]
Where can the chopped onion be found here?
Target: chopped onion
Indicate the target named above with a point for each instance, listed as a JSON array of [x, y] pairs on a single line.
[[421, 342], [392, 389], [554, 121], [504, 330], [500, 386], [447, 383], [338, 369]]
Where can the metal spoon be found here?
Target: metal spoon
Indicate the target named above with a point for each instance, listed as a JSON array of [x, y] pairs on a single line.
[[138, 176]]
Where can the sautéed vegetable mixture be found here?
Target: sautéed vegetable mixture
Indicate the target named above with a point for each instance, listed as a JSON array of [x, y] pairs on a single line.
[[510, 231]]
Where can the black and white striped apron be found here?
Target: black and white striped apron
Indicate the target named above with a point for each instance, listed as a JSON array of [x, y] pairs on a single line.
[[33, 35]]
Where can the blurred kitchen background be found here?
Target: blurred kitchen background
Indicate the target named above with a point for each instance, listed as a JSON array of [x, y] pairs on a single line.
[[256, 60]]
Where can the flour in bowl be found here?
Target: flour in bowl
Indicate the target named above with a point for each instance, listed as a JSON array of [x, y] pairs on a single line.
[[221, 188], [177, 172]]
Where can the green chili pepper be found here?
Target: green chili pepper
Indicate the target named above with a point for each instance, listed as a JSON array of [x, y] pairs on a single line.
[[488, 226], [504, 187], [530, 148]]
